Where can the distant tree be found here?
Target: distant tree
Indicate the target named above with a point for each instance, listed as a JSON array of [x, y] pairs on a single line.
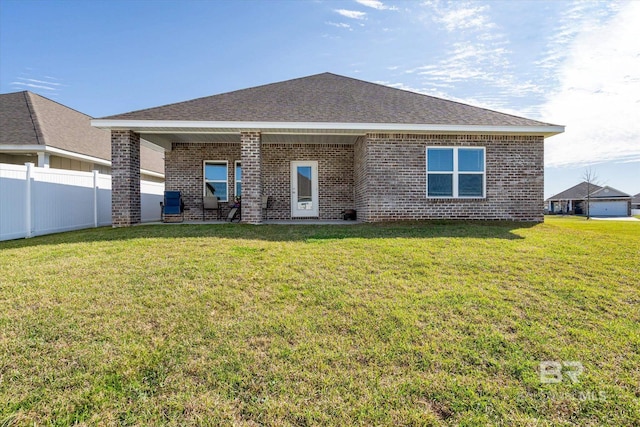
[[591, 178]]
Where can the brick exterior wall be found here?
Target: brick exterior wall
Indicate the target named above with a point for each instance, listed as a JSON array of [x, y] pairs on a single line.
[[335, 177], [251, 145], [383, 176], [125, 178], [184, 169], [396, 178], [361, 178]]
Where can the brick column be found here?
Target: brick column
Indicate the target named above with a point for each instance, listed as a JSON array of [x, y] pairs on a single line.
[[125, 178], [251, 177]]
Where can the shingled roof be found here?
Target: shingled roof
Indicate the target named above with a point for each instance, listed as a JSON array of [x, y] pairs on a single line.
[[607, 192], [327, 98], [28, 119], [577, 192]]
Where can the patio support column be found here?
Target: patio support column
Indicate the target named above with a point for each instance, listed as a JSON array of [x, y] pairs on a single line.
[[251, 177], [125, 178]]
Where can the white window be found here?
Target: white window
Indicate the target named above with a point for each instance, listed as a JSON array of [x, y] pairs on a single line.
[[216, 179], [456, 172], [238, 178]]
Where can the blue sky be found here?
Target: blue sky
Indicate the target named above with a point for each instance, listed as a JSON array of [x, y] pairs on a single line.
[[564, 62]]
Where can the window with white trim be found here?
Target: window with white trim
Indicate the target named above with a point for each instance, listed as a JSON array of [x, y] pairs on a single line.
[[216, 179], [456, 172], [238, 178]]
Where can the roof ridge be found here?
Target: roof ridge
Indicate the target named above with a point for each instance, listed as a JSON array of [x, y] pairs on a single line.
[[33, 115], [58, 103]]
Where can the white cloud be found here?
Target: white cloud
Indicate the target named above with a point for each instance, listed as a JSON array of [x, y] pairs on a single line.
[[40, 81], [353, 14], [460, 16], [375, 4], [599, 94], [33, 86], [579, 17], [44, 84], [339, 25]]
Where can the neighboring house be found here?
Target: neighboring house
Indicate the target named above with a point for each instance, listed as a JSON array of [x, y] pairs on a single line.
[[34, 129], [604, 201], [325, 143], [635, 204]]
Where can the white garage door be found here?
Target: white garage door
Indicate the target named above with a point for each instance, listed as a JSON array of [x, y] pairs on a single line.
[[608, 208]]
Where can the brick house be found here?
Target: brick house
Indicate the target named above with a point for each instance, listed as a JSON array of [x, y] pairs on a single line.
[[603, 201], [325, 143]]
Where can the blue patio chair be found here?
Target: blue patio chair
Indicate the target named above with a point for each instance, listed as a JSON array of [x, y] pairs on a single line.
[[173, 205]]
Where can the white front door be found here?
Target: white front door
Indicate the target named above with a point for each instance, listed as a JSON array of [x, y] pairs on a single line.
[[304, 189]]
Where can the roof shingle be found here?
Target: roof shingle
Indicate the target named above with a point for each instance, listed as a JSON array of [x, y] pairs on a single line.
[[327, 98], [30, 119], [579, 192]]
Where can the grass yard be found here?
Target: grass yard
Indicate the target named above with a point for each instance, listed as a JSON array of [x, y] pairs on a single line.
[[390, 324]]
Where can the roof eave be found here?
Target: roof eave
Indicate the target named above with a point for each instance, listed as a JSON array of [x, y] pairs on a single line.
[[189, 126], [33, 148]]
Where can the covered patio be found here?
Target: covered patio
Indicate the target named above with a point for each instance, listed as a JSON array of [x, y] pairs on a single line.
[[306, 173]]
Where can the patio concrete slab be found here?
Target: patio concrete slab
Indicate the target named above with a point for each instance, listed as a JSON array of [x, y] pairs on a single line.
[[267, 222]]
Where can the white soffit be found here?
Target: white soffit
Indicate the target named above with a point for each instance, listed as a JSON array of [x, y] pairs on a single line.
[[202, 127]]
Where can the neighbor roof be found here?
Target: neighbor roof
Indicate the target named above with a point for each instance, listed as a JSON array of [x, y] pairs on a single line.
[[607, 192], [577, 192], [327, 98], [28, 119]]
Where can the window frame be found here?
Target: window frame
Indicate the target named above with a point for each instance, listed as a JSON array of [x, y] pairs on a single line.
[[205, 180], [235, 177], [455, 173]]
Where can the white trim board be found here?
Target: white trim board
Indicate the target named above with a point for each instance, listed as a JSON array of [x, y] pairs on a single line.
[[169, 126], [20, 148]]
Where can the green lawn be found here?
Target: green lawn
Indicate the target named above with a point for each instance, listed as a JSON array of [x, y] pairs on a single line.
[[391, 324]]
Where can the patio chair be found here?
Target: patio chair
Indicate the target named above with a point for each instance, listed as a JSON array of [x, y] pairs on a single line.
[[210, 204], [234, 214], [266, 205], [172, 205]]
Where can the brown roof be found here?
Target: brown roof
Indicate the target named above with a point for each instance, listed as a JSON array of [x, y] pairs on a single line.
[[607, 192], [577, 192], [327, 98], [30, 119]]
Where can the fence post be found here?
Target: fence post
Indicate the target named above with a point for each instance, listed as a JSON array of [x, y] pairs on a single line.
[[27, 198], [95, 198]]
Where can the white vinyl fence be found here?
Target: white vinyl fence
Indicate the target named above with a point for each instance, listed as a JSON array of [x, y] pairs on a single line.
[[36, 201]]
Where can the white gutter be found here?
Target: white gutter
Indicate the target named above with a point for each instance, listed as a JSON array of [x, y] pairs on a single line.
[[20, 148], [166, 126]]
